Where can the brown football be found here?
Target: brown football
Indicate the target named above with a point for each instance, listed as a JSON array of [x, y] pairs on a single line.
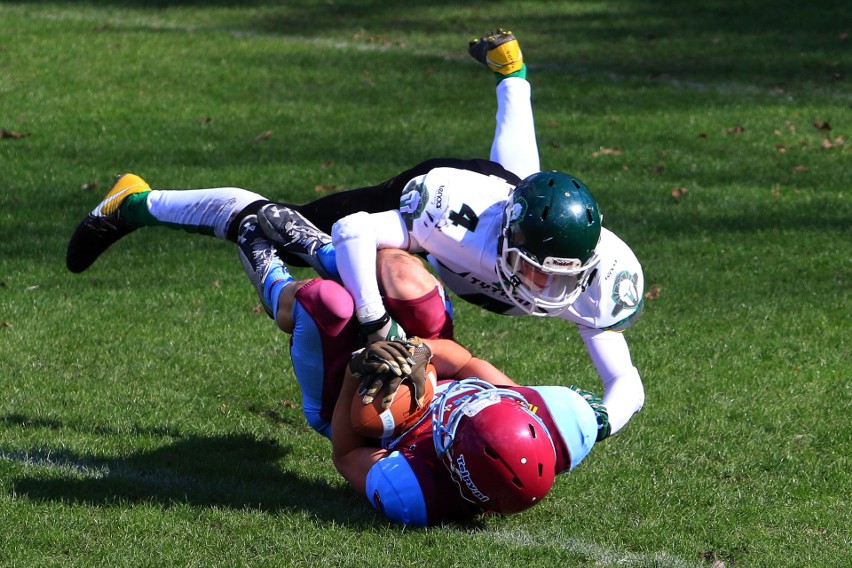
[[371, 421]]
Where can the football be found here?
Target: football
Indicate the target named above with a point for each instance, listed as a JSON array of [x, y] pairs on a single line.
[[371, 421]]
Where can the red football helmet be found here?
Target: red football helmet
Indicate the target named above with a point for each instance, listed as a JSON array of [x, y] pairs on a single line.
[[499, 453]]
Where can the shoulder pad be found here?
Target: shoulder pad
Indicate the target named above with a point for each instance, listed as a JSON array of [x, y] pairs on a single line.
[[613, 299]]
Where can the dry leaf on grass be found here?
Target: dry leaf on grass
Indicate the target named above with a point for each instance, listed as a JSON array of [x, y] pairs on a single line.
[[607, 152], [653, 293], [13, 134], [836, 143], [325, 188]]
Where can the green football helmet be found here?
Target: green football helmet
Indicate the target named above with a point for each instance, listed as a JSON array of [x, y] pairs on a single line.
[[546, 252]]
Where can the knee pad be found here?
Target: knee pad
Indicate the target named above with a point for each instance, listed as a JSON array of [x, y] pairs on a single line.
[[329, 304]]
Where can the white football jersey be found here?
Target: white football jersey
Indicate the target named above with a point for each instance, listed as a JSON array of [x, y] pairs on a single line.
[[455, 216]]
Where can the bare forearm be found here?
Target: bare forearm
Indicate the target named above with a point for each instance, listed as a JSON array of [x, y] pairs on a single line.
[[352, 454], [452, 361]]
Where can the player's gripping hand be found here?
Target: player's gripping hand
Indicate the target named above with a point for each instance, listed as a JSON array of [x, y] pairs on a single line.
[[420, 357], [378, 363], [417, 356]]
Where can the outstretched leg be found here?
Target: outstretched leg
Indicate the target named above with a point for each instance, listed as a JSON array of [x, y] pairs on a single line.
[[514, 145], [319, 315], [131, 203]]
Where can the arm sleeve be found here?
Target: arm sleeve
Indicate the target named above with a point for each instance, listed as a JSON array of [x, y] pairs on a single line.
[[624, 394], [356, 238]]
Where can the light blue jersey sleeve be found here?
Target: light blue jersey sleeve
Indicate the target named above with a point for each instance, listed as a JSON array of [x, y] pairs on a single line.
[[574, 418]]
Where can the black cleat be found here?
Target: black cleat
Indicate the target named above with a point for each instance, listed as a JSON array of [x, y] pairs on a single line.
[[104, 225]]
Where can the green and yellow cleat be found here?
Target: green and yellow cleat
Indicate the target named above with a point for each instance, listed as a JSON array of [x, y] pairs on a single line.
[[499, 51], [104, 225]]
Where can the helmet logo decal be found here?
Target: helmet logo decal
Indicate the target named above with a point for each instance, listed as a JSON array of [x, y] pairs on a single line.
[[465, 477], [625, 291], [518, 210], [562, 263]]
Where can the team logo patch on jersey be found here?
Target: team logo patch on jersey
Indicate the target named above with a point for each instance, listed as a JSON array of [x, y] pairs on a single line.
[[625, 291], [413, 202]]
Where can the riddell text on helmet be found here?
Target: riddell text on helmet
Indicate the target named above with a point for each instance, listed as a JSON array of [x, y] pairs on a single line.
[[465, 475]]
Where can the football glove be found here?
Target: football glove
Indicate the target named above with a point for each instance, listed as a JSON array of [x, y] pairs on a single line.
[[417, 356], [381, 359], [601, 412]]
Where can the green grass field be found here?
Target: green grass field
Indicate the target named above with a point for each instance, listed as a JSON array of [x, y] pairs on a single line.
[[150, 416]]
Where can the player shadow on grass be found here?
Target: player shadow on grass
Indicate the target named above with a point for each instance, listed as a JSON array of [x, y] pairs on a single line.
[[238, 471]]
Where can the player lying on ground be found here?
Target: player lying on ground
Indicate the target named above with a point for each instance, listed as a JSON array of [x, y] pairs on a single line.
[[515, 248], [475, 449]]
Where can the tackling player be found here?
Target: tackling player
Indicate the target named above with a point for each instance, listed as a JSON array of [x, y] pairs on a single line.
[[533, 246]]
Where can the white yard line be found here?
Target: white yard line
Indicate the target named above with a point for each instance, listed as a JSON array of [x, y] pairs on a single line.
[[600, 555], [83, 467], [164, 479]]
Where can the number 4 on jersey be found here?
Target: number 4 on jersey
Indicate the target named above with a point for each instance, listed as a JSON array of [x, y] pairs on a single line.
[[465, 217]]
